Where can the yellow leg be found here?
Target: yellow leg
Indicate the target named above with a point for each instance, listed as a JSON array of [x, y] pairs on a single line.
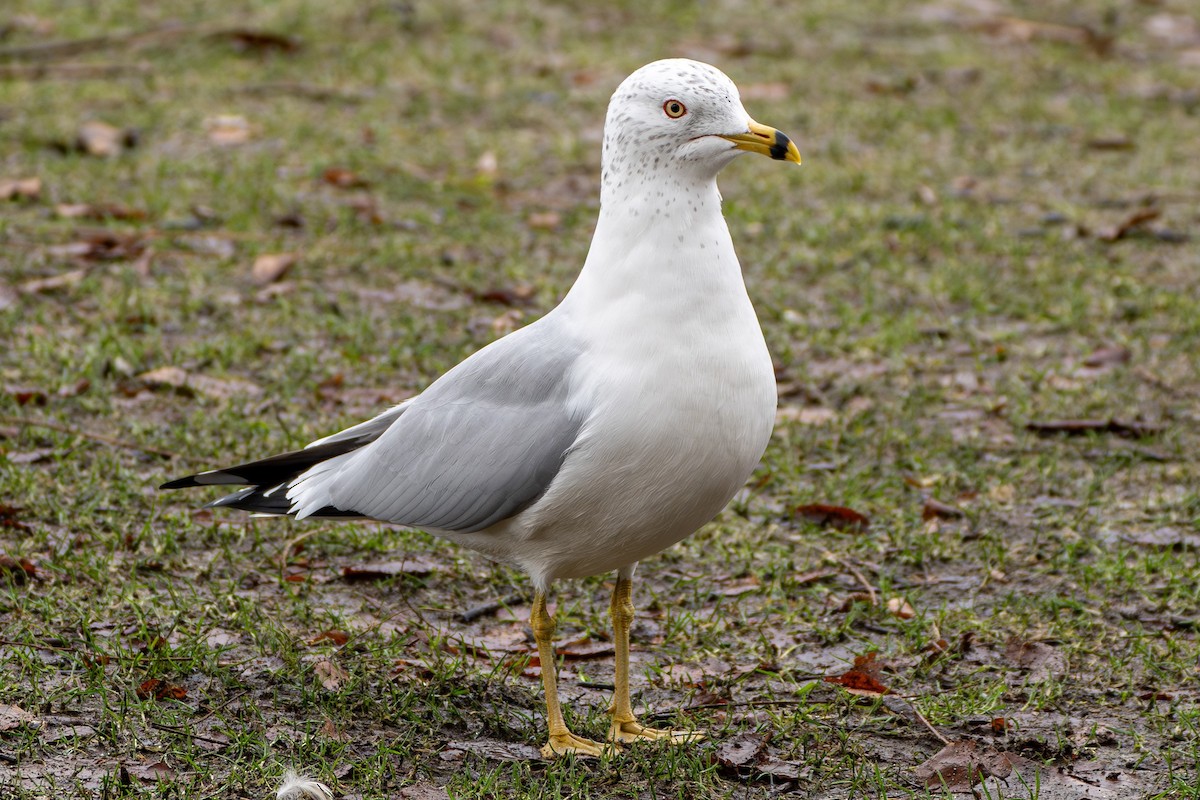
[[625, 727], [561, 741]]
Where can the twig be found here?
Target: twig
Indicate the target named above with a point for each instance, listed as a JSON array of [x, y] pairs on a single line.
[[181, 732], [95, 437], [916, 712], [472, 614], [7, 759], [857, 573]]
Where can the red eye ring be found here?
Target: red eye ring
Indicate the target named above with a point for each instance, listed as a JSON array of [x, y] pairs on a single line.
[[674, 109]]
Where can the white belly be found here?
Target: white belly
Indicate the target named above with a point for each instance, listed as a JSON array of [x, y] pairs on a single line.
[[673, 435]]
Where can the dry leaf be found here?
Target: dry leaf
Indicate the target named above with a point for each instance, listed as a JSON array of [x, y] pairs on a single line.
[[53, 283], [1130, 224], [181, 380], [18, 570], [862, 678], [741, 751], [100, 212], [899, 607], [101, 139], [1076, 427], [491, 749], [344, 178], [828, 516], [544, 220], [271, 267], [20, 188], [1104, 356], [960, 765], [160, 690], [258, 41], [8, 518], [13, 717], [228, 130], [584, 649], [379, 570], [1041, 660], [329, 674], [337, 637], [936, 509]]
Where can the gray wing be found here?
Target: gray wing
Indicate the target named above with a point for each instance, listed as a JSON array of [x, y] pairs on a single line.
[[476, 447]]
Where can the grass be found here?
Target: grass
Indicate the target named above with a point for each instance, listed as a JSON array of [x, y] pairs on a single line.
[[956, 246]]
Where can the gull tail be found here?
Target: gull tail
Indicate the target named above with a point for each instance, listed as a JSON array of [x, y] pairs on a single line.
[[267, 479]]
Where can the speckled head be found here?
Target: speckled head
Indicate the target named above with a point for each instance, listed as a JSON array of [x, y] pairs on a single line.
[[678, 114]]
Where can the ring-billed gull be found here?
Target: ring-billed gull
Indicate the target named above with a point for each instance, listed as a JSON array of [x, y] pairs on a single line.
[[609, 429]]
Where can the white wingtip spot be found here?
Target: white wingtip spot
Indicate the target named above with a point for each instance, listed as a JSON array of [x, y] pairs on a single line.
[[297, 788]]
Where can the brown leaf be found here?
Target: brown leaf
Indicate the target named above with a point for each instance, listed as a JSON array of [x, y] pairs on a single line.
[[1114, 141], [187, 383], [344, 178], [741, 751], [337, 637], [53, 283], [1041, 660], [101, 245], [18, 571], [13, 717], [827, 516], [1107, 355], [492, 749], [26, 396], [1076, 427], [160, 690], [899, 607], [521, 295], [20, 188], [228, 130], [380, 570], [935, 509], [100, 139], [329, 674], [544, 220], [258, 41], [271, 267], [98, 212], [9, 517], [74, 389], [330, 731], [737, 588], [960, 765], [584, 649], [1131, 223], [862, 678], [153, 772]]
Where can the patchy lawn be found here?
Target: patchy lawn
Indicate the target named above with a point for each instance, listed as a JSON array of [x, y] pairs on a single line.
[[227, 233]]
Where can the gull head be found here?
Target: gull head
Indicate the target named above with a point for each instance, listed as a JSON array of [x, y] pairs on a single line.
[[679, 114]]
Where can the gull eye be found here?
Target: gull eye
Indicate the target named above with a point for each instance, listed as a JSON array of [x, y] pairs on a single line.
[[674, 109]]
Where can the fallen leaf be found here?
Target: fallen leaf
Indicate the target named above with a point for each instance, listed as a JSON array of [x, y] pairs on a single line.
[[228, 130], [330, 731], [26, 396], [1107, 355], [344, 178], [430, 791], [78, 387], [102, 140], [270, 267], [102, 245], [152, 772], [936, 509], [160, 690], [899, 607], [862, 678], [98, 212], [1027, 30], [492, 749], [1076, 427], [1166, 537], [20, 188], [741, 751], [1131, 223], [18, 571], [9, 517], [13, 717], [379, 570], [521, 295], [773, 91], [737, 588], [1114, 141], [329, 674], [337, 637], [544, 220], [827, 516], [585, 649], [181, 380], [53, 283], [258, 41], [960, 765], [1041, 660]]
